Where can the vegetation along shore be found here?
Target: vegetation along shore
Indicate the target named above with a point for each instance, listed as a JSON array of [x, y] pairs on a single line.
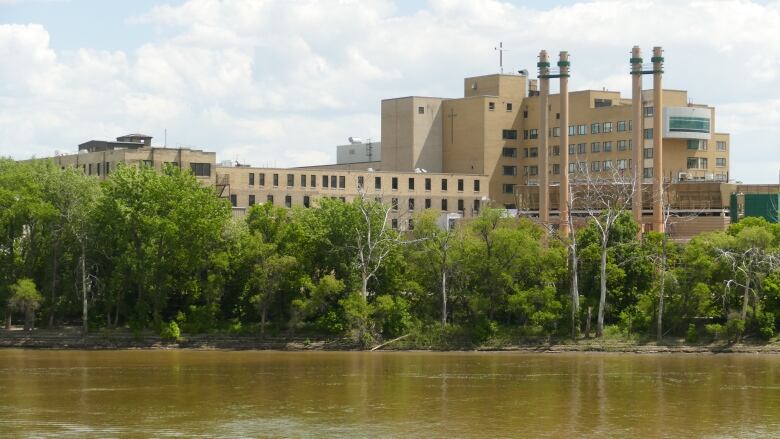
[[151, 256]]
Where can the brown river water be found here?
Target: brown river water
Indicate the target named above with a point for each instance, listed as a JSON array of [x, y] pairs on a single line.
[[395, 394]]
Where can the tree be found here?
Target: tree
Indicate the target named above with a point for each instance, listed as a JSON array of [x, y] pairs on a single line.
[[267, 279], [26, 298]]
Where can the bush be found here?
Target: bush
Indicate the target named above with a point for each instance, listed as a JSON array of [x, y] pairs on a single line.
[[391, 315], [691, 335], [766, 324], [734, 328], [714, 330], [171, 331]]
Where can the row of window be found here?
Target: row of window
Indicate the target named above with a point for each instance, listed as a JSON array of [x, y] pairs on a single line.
[[104, 168], [411, 203], [702, 162], [340, 182]]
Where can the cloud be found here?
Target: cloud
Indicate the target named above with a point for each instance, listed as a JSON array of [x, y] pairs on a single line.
[[286, 81]]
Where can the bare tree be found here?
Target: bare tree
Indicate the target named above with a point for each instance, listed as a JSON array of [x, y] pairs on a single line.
[[605, 197]]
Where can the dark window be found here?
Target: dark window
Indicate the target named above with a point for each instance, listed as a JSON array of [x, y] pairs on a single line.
[[411, 183], [342, 181], [251, 200], [394, 203], [107, 167], [427, 184], [262, 179], [287, 201], [420, 110], [411, 223], [395, 183], [509, 152], [476, 206], [648, 133], [303, 180], [360, 182], [306, 201], [276, 180], [525, 114], [444, 184], [491, 106], [377, 182], [233, 200], [251, 179], [427, 203], [98, 169], [461, 205], [270, 199], [444, 204], [333, 181], [324, 181], [290, 180], [508, 106], [313, 181], [201, 169], [476, 185], [534, 133], [509, 134], [460, 185], [411, 203], [90, 169], [394, 223]]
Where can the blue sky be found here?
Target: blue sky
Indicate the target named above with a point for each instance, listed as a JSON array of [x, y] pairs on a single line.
[[281, 82]]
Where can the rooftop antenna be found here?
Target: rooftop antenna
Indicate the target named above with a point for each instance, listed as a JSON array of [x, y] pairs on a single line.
[[501, 51], [165, 141]]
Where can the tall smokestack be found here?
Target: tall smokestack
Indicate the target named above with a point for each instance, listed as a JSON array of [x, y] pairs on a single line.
[[636, 134], [544, 93], [563, 194], [658, 170]]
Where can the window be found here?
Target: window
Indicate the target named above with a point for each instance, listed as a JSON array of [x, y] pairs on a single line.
[[290, 180], [251, 179], [476, 206], [582, 167], [342, 181], [607, 146], [288, 201], [534, 152], [525, 170], [460, 185], [251, 200], [233, 200], [509, 134], [411, 223], [582, 130], [595, 147], [377, 183], [629, 124], [420, 110], [262, 178], [510, 170], [697, 163], [491, 106], [720, 145], [622, 145], [303, 180], [525, 114], [306, 201], [533, 134], [581, 148], [333, 181], [534, 170], [508, 106], [595, 166], [648, 133], [98, 169], [696, 144], [509, 152], [394, 203], [508, 188], [572, 130], [525, 134], [607, 127], [460, 205], [572, 168], [107, 167], [443, 184], [150, 164], [270, 199], [595, 128], [444, 204], [647, 172], [411, 183], [276, 180], [394, 183], [648, 111], [394, 223], [571, 149], [199, 169], [556, 168], [476, 184], [427, 203], [324, 181], [360, 182], [607, 165], [557, 116], [313, 181], [622, 164], [556, 150], [720, 162], [648, 153], [598, 103], [556, 132], [621, 125], [411, 203], [427, 184]]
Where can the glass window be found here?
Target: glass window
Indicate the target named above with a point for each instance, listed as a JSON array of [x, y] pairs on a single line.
[[394, 203], [571, 148], [394, 223], [377, 182], [556, 168], [689, 124], [460, 185], [313, 181], [556, 132], [595, 128], [622, 145], [647, 172], [534, 151], [444, 184], [394, 183], [199, 169], [427, 203], [595, 166], [509, 134], [420, 110], [720, 162], [648, 111], [444, 204], [411, 183], [621, 125], [262, 179], [607, 146], [509, 152], [572, 168], [510, 170], [534, 170], [233, 200], [581, 148], [342, 181], [290, 180], [622, 164], [303, 180], [534, 133], [607, 165], [427, 183], [595, 147], [288, 201], [251, 179], [508, 106], [648, 133], [333, 181], [476, 184], [276, 180], [572, 130], [306, 201], [556, 150], [461, 205], [270, 199], [648, 153], [411, 203], [411, 223], [491, 106], [360, 182], [251, 200], [720, 145], [582, 130], [607, 127], [508, 188], [324, 181]]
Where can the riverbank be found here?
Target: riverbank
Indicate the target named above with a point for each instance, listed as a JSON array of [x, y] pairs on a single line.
[[71, 338]]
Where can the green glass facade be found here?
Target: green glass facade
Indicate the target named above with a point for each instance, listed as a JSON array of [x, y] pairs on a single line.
[[689, 124]]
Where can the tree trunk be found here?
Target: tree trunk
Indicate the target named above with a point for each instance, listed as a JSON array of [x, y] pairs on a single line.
[[443, 298], [7, 319], [587, 322], [603, 295], [364, 288], [745, 297], [84, 316], [263, 315], [27, 318], [575, 295], [661, 290]]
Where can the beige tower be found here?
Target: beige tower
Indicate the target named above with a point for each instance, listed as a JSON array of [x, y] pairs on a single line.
[[563, 198], [636, 136], [658, 170], [544, 93]]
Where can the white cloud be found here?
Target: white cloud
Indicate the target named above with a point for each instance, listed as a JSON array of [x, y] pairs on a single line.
[[272, 80]]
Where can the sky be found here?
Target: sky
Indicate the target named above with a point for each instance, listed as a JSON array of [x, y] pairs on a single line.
[[281, 82]]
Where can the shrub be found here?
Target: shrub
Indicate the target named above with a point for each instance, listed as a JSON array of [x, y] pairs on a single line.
[[766, 324], [171, 331], [734, 328], [691, 335], [714, 330]]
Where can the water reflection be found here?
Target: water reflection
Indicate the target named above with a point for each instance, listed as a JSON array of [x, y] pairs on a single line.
[[321, 394]]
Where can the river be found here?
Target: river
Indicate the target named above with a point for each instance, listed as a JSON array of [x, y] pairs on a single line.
[[181, 393]]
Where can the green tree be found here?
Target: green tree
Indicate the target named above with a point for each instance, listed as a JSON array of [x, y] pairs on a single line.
[[26, 298]]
